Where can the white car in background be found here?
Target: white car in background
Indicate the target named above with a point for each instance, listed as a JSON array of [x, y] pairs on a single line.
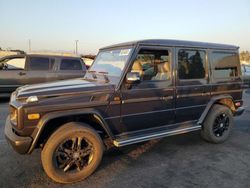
[[245, 69]]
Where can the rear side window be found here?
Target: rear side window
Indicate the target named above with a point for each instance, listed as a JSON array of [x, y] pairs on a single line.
[[191, 64], [70, 64], [224, 65], [39, 63]]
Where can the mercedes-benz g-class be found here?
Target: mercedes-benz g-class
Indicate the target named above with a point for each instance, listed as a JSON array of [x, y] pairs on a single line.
[[133, 92]]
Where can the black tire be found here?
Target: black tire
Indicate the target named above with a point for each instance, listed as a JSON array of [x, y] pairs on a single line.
[[66, 161], [212, 130]]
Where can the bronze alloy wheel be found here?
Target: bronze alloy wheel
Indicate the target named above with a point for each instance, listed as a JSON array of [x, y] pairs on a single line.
[[72, 153]]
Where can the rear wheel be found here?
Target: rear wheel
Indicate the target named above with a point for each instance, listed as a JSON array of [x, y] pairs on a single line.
[[72, 153], [218, 124]]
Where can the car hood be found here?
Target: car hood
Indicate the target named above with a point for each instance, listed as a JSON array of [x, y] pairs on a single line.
[[62, 88]]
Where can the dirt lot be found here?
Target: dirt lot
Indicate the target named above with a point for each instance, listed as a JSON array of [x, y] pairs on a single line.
[[179, 161]]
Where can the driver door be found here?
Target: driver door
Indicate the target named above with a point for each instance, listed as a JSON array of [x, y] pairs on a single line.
[[150, 103]]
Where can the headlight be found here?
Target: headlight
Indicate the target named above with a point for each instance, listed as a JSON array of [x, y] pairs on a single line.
[[13, 115]]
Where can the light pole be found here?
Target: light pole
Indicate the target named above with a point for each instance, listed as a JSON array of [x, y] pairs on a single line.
[[76, 46], [29, 45]]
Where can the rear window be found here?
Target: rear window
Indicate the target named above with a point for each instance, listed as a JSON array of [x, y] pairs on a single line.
[[39, 63], [224, 65], [70, 64]]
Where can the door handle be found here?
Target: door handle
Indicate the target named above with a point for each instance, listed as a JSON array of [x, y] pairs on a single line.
[[22, 73]]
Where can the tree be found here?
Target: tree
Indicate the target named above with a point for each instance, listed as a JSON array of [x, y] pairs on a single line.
[[245, 56]]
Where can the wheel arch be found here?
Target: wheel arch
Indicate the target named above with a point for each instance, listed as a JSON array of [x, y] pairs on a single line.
[[91, 116], [225, 100]]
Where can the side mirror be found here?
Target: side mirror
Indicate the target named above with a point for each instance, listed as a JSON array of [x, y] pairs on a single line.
[[133, 78]]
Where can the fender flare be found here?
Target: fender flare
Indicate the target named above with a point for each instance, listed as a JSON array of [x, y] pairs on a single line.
[[209, 106], [50, 116]]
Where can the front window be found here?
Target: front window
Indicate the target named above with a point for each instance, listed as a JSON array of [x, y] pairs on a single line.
[[14, 63], [152, 65], [109, 63]]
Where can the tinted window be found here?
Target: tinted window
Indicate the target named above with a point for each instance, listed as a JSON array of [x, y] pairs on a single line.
[[70, 64], [224, 65], [191, 64], [15, 63], [39, 63], [152, 65]]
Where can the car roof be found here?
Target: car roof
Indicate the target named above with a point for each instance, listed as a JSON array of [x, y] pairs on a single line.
[[52, 55], [39, 55], [177, 43]]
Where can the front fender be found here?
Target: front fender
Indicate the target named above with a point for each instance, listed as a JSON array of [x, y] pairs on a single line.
[[50, 116]]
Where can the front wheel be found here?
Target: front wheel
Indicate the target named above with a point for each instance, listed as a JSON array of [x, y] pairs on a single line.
[[72, 153], [218, 124]]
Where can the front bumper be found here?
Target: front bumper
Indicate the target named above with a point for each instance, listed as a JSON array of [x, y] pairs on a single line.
[[19, 143], [239, 111]]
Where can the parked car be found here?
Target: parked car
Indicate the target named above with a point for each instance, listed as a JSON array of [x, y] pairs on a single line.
[[245, 69], [18, 70], [133, 92]]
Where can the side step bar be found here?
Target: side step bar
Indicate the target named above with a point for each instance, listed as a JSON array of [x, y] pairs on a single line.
[[136, 139]]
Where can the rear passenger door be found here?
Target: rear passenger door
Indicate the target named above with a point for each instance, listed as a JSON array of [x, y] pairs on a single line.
[[192, 89], [40, 69], [70, 68]]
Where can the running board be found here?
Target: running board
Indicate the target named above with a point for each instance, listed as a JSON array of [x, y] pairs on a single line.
[[136, 139]]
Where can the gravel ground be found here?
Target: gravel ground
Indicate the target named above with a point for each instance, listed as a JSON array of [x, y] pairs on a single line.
[[178, 161]]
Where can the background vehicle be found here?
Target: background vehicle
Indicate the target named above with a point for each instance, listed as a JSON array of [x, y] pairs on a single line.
[[18, 70], [88, 60], [245, 69], [133, 92]]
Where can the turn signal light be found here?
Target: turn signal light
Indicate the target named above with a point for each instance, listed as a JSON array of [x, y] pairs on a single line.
[[33, 116]]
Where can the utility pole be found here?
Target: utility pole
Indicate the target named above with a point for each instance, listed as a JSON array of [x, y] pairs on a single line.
[[29, 45], [76, 46]]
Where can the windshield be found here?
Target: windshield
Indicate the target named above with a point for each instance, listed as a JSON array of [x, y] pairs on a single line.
[[111, 62]]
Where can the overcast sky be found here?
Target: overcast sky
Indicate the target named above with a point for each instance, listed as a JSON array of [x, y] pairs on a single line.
[[55, 25]]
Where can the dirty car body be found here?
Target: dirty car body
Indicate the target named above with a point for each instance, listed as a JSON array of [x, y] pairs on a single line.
[[133, 92]]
